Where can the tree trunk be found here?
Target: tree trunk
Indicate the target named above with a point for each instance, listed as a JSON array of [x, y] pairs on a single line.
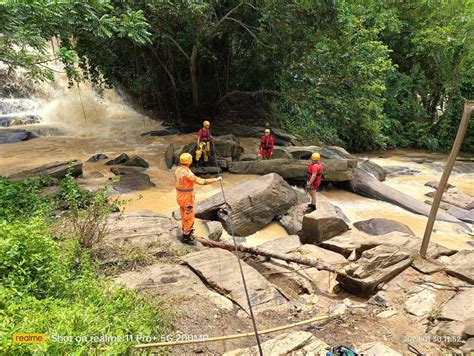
[[280, 256], [194, 76]]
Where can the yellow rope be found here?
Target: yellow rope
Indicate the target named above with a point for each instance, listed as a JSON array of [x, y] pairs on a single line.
[[234, 336]]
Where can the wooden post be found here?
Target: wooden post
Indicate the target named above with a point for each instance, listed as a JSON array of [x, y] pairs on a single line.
[[468, 107]]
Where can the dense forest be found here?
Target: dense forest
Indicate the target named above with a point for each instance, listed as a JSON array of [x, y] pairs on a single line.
[[363, 74]]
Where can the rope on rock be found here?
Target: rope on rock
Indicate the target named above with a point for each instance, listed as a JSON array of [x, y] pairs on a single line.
[[237, 336]]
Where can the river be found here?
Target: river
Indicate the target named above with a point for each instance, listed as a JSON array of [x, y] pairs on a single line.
[[92, 123]]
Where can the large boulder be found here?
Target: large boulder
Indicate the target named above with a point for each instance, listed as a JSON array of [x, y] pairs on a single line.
[[228, 148], [328, 152], [322, 224], [120, 171], [18, 119], [137, 161], [54, 170], [292, 220], [225, 148], [169, 156], [223, 127], [380, 226], [97, 157], [460, 308], [220, 269], [214, 229], [131, 182], [373, 169], [292, 169], [461, 265], [364, 184], [206, 170], [281, 152], [120, 159], [254, 204], [377, 265]]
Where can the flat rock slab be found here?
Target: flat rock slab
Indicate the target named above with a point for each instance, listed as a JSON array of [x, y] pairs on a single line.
[[380, 226], [120, 171], [435, 184], [427, 266], [171, 280], [298, 342], [334, 170], [458, 198], [143, 229], [322, 224], [54, 170], [282, 244], [214, 229], [461, 265], [376, 348], [460, 308], [292, 220], [357, 242], [220, 269], [319, 254]]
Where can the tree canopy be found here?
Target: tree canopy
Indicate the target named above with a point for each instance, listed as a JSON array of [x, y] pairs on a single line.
[[371, 74]]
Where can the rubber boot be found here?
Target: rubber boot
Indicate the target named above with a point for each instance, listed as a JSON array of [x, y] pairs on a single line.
[[188, 239]]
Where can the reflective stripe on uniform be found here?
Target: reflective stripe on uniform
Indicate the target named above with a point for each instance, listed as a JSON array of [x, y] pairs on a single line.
[[184, 190]]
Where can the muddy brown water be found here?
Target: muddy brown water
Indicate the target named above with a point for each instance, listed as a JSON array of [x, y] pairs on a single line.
[[23, 155]]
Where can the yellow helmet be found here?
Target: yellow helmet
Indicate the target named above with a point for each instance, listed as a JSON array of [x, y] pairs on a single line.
[[186, 159], [267, 130], [206, 123], [315, 156]]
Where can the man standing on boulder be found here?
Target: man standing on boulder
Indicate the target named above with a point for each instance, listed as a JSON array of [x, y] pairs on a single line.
[[315, 173], [204, 142], [185, 180], [266, 147]]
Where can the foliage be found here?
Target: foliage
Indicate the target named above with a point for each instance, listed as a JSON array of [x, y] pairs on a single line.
[[366, 75], [50, 285], [28, 26]]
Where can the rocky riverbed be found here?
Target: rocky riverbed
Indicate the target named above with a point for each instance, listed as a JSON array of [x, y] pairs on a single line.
[[390, 298]]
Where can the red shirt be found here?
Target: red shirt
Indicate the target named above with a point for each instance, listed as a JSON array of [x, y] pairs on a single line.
[[204, 135], [266, 144]]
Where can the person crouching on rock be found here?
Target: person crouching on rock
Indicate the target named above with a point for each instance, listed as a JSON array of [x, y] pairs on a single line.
[[185, 180], [315, 173], [204, 142], [266, 147]]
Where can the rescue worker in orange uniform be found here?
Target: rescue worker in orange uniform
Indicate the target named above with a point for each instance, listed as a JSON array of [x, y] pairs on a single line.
[[315, 173], [266, 146], [185, 180], [204, 142]]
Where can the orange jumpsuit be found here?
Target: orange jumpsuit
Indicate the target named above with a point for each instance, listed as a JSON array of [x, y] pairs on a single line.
[[185, 180]]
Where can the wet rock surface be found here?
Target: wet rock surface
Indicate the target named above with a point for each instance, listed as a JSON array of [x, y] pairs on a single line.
[[131, 182], [97, 157], [15, 135], [53, 170], [380, 226]]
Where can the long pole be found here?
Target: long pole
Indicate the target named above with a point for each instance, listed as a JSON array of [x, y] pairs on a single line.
[[468, 107]]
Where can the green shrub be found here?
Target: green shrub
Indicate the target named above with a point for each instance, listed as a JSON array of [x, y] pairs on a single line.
[[51, 285]]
